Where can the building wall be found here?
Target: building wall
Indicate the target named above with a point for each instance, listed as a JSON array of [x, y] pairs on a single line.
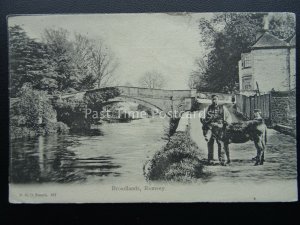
[[246, 72], [240, 75], [293, 67], [270, 69]]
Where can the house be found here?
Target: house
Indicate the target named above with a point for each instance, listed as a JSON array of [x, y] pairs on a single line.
[[270, 65]]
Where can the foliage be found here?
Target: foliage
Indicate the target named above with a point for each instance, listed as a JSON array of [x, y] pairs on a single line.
[[33, 114], [226, 36], [178, 160], [95, 99], [152, 79], [59, 63], [59, 49], [33, 108], [71, 112], [26, 63], [145, 109], [74, 112]]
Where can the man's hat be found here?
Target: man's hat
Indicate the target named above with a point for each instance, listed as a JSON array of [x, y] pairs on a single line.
[[214, 96]]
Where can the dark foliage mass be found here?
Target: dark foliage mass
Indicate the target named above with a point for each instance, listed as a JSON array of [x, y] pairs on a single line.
[[33, 114]]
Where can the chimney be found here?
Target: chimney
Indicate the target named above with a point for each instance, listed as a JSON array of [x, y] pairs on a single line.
[[265, 26], [266, 22]]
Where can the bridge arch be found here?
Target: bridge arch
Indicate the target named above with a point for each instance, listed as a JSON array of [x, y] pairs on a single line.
[[123, 98]]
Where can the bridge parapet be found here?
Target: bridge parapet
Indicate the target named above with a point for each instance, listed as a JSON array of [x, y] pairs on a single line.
[[156, 93]]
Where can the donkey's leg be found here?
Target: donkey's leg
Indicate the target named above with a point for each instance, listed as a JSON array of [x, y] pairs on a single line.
[[264, 143], [259, 149], [262, 158], [221, 153], [262, 151], [210, 147], [226, 148]]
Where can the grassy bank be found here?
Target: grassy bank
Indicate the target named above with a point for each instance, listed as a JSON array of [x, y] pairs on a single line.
[[178, 160]]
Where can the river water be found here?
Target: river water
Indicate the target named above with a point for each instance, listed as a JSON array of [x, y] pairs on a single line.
[[116, 154]]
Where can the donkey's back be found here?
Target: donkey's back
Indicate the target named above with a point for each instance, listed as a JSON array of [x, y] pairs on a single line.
[[241, 132]]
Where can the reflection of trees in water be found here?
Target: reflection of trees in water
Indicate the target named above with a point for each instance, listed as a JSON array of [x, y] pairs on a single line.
[[49, 159], [24, 166], [40, 160], [63, 164]]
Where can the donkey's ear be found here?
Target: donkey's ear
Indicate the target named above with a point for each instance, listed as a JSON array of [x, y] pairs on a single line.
[[202, 120]]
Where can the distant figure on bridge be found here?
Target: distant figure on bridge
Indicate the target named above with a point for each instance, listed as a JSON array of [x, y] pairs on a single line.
[[216, 114]]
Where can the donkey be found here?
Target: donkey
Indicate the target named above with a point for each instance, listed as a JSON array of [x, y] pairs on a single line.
[[241, 132]]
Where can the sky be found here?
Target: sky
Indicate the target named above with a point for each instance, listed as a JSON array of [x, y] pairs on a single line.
[[167, 43]]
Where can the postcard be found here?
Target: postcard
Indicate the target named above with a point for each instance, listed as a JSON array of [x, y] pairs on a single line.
[[152, 107]]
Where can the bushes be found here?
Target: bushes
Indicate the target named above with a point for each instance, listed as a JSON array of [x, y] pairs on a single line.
[[72, 113], [33, 115], [62, 128], [178, 160], [20, 132]]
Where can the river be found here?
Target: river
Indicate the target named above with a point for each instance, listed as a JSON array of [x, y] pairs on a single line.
[[116, 154]]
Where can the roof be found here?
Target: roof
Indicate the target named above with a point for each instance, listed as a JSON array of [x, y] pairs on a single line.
[[293, 41], [268, 40]]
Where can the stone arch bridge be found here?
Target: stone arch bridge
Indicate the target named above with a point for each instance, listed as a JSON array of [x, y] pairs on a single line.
[[157, 99]]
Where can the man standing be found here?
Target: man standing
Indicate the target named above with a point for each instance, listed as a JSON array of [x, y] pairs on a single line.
[[218, 114]]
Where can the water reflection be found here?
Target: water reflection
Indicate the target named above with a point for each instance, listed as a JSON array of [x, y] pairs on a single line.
[[117, 150], [48, 159]]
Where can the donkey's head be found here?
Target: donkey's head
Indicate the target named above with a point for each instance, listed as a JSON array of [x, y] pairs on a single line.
[[206, 129]]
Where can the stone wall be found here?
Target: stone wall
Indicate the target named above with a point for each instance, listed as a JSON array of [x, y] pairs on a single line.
[[279, 112], [283, 107]]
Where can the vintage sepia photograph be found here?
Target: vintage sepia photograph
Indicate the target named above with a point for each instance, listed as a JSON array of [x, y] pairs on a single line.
[[152, 107]]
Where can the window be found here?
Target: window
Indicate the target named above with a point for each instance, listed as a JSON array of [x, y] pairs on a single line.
[[247, 61], [247, 82]]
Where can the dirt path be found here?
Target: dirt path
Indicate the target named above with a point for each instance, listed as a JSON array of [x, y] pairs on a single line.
[[280, 157]]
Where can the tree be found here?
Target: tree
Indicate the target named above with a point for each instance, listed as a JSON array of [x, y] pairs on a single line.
[[81, 58], [152, 80], [59, 49], [197, 77], [60, 63], [103, 64], [226, 36], [26, 60]]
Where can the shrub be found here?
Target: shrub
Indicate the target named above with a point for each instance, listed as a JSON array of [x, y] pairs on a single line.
[[33, 115], [72, 113], [62, 128], [33, 108], [178, 160]]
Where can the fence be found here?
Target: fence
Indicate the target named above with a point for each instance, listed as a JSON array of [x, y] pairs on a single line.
[[276, 107], [247, 104]]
